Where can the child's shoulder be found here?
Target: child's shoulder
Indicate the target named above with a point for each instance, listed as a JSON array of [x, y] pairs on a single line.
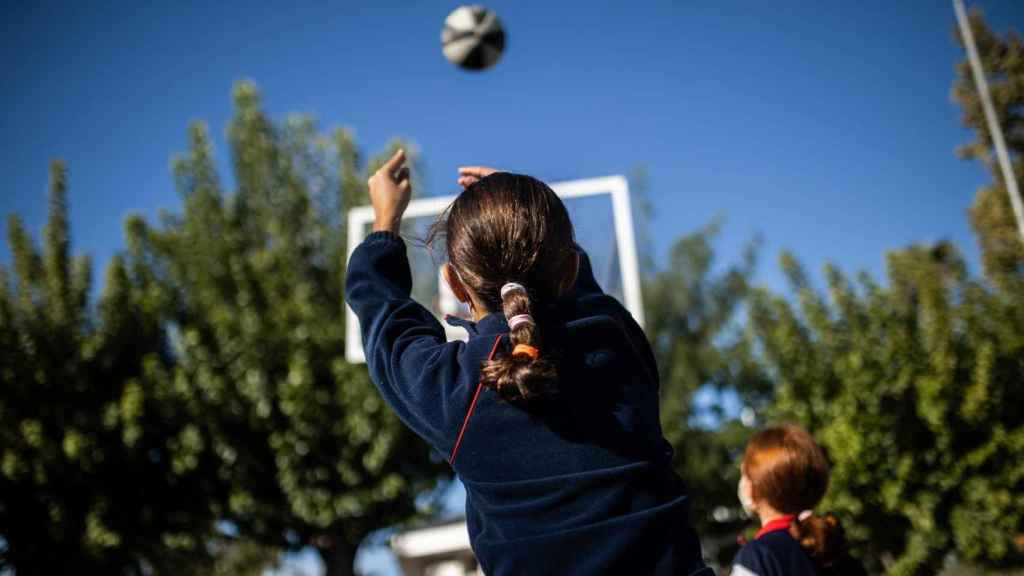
[[755, 558], [773, 554]]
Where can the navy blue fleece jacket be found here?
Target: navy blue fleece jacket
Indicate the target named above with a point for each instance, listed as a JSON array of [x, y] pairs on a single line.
[[578, 482]]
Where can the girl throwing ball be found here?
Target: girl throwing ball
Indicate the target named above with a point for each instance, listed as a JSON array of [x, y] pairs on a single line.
[[549, 413]]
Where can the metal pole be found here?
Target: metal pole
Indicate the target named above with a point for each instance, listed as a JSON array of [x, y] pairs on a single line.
[[990, 115]]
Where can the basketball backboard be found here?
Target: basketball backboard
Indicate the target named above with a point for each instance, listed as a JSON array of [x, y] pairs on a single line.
[[601, 215]]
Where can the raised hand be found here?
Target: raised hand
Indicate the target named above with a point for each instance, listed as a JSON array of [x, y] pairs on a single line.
[[470, 174], [390, 190]]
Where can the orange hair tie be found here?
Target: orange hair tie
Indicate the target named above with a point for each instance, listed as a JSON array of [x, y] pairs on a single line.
[[525, 350]]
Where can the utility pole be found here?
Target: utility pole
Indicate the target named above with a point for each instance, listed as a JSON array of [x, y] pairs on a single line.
[[990, 115]]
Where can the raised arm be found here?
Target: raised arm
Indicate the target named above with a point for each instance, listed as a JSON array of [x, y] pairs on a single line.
[[390, 190], [407, 353], [410, 361]]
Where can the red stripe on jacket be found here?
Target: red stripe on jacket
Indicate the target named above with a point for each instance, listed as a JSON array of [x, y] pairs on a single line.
[[472, 405]]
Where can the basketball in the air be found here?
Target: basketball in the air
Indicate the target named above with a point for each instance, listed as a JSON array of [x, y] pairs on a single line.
[[472, 37]]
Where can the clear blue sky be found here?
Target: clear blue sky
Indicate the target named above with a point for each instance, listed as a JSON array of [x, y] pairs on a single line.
[[827, 127]]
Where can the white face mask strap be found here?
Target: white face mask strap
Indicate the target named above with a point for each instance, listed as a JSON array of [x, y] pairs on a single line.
[[743, 493]]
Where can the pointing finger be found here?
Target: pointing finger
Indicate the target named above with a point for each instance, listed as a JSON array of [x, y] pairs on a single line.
[[393, 163]]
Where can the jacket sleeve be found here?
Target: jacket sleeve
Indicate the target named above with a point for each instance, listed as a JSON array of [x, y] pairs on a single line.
[[409, 358]]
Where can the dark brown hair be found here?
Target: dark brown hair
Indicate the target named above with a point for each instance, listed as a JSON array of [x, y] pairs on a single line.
[[789, 471], [512, 228]]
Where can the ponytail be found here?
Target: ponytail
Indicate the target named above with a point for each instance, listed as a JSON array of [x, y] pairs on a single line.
[[509, 226], [821, 537], [524, 372]]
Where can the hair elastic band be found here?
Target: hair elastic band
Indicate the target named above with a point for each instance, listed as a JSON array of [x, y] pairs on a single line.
[[804, 515], [518, 320], [511, 287], [525, 350]]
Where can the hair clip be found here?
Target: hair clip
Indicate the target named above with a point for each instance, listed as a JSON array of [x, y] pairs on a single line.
[[525, 350], [518, 320], [511, 287]]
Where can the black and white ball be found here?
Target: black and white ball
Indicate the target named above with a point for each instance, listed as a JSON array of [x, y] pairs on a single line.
[[472, 37]]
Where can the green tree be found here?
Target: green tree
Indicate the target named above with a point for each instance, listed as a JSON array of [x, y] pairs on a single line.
[[237, 557], [914, 387], [252, 285], [91, 428], [692, 323]]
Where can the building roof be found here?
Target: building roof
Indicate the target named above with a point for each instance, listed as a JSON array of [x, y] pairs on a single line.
[[443, 537]]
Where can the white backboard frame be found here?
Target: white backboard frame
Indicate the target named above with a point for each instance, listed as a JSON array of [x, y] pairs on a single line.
[[622, 214]]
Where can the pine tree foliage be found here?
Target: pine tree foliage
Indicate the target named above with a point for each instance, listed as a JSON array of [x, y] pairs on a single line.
[[251, 283], [915, 386], [693, 313], [914, 389], [89, 419]]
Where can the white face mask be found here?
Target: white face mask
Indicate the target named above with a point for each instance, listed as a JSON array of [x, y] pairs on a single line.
[[743, 492]]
